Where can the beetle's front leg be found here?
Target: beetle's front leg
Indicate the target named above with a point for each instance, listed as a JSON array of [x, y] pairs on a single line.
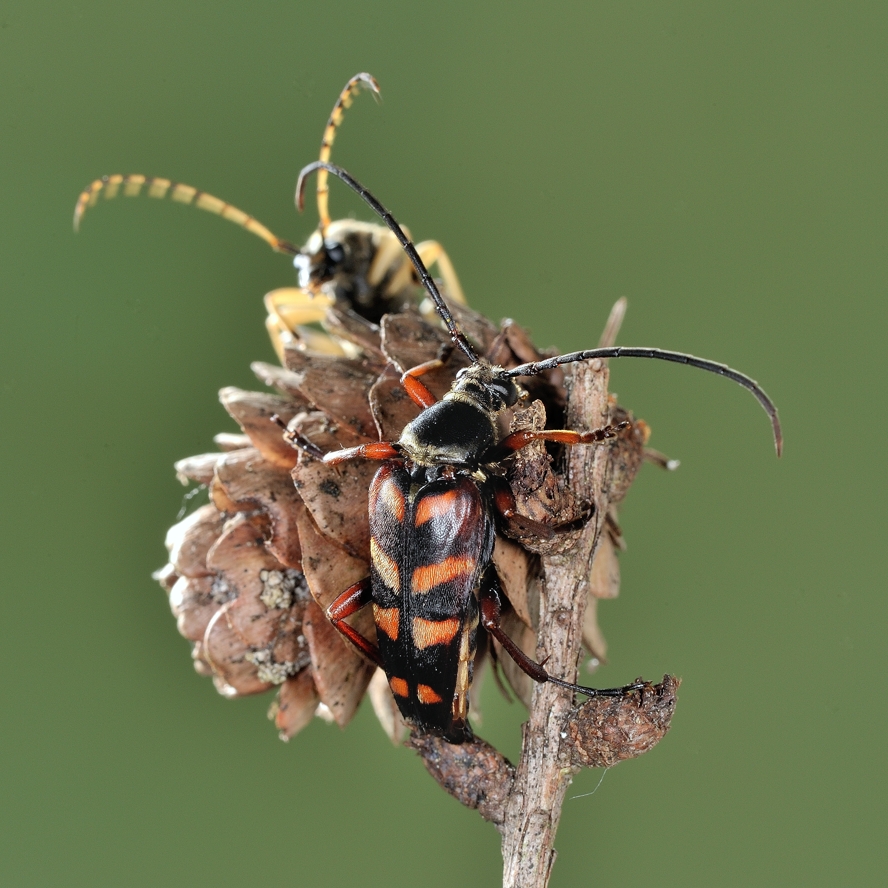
[[419, 394], [358, 595], [380, 450]]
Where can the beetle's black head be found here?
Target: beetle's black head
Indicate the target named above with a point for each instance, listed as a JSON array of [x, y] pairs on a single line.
[[346, 251], [486, 386]]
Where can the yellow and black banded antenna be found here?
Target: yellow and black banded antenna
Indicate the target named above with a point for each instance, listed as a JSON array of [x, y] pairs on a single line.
[[352, 88], [132, 185]]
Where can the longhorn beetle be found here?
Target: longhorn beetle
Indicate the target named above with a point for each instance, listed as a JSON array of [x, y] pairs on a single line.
[[434, 507], [356, 265]]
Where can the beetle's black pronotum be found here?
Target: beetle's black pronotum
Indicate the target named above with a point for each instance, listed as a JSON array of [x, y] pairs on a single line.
[[434, 508]]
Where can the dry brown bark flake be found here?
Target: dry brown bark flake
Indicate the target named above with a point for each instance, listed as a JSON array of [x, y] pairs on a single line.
[[474, 772], [253, 411], [329, 570], [249, 480], [199, 468], [606, 730], [336, 496], [193, 605], [391, 406], [296, 704], [337, 386], [189, 541], [351, 327], [223, 649], [341, 674], [409, 340]]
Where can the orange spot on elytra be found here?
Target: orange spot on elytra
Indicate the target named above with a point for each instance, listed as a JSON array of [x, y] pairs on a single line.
[[398, 686], [427, 695], [425, 578], [387, 620], [393, 499], [429, 632], [385, 566], [435, 506]]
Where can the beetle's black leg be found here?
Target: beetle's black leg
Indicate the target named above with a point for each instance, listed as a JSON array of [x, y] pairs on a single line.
[[504, 501], [297, 440], [350, 602], [489, 599]]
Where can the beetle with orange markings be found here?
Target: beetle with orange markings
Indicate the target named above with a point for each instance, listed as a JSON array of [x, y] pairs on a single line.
[[436, 504]]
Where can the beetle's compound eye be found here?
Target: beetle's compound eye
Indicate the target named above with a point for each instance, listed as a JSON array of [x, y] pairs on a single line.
[[506, 391], [319, 267], [335, 254]]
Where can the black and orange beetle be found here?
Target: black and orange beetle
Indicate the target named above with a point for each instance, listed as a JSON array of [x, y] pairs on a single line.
[[435, 506]]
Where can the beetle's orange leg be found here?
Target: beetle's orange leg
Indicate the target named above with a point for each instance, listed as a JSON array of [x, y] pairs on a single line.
[[354, 598], [517, 440], [419, 394], [379, 450]]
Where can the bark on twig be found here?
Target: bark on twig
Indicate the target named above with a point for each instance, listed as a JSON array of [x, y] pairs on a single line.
[[534, 807], [474, 773], [525, 801], [606, 730]]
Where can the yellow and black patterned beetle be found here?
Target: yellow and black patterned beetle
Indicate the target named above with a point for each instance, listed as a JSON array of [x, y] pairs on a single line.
[[357, 266], [435, 506]]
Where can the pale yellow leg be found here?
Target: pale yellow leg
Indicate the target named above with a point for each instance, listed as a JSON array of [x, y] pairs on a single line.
[[432, 253], [289, 310], [388, 252]]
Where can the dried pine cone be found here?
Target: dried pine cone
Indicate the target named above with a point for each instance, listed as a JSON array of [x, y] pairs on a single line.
[[251, 574]]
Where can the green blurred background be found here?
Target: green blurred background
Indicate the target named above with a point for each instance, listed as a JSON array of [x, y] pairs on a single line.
[[722, 165]]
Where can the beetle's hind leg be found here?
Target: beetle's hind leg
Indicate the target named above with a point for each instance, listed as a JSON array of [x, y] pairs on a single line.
[[491, 607], [357, 596]]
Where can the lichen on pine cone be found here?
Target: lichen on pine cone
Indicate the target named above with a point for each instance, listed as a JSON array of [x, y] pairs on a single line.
[[251, 573]]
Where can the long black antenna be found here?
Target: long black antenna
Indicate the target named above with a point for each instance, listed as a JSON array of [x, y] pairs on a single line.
[[457, 335], [659, 354]]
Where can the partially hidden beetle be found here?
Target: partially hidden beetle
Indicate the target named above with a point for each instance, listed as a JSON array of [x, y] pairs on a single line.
[[357, 266], [435, 505]]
